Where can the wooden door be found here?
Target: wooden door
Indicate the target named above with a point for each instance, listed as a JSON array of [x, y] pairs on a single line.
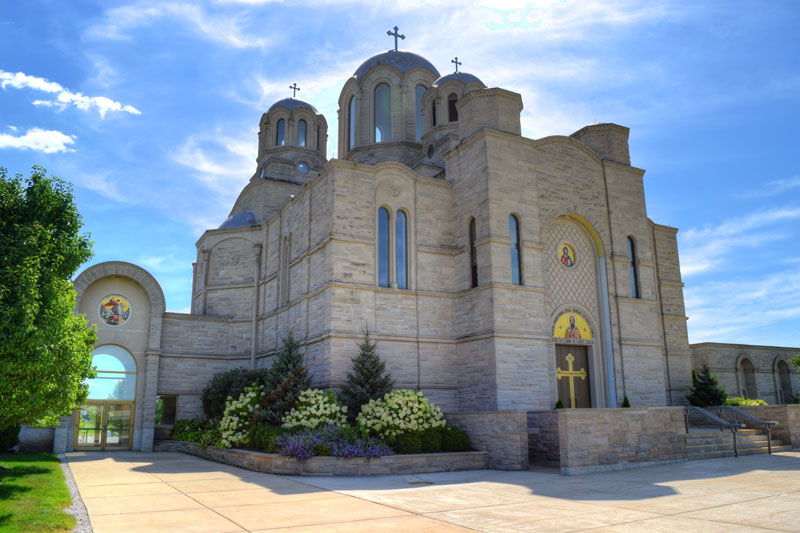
[[572, 374]]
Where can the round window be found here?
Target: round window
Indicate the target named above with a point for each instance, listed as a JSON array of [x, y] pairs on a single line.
[[302, 167]]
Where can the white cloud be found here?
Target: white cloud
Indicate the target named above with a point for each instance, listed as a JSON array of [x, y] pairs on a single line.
[[746, 310], [703, 249], [223, 29], [64, 98], [772, 188], [37, 139]]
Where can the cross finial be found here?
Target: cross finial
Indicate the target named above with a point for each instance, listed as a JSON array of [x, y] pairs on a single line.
[[294, 89], [456, 62], [395, 35]]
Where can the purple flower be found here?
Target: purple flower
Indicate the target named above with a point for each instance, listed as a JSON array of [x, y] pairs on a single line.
[[339, 442]]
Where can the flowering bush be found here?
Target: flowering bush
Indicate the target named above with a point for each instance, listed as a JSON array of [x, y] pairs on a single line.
[[236, 419], [743, 402], [315, 408], [330, 440], [399, 412]]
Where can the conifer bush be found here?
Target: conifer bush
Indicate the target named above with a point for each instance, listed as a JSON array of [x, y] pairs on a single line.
[[368, 380], [9, 437], [626, 402], [286, 379], [705, 389]]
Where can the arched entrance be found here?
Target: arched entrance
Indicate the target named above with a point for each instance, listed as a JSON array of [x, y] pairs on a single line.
[[748, 381], [785, 394], [105, 421]]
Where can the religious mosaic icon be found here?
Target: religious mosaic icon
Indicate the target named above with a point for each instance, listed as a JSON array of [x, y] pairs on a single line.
[[114, 310], [571, 325], [566, 255]]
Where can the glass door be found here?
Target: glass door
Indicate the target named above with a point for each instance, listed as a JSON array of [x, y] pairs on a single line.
[[89, 430], [104, 425], [119, 417]]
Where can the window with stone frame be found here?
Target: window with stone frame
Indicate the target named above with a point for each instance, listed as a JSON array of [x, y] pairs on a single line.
[[633, 268], [452, 112], [516, 250], [383, 113], [301, 132], [280, 133], [473, 253]]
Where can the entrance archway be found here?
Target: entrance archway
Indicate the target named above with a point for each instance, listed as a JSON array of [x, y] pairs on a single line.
[[105, 421]]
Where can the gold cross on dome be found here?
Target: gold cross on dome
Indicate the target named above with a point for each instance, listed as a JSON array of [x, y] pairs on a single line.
[[571, 374]]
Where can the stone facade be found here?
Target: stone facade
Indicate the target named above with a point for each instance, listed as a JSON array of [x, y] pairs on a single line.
[[762, 372], [461, 306]]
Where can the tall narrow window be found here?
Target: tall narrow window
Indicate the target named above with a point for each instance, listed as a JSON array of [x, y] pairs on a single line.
[[351, 124], [516, 257], [473, 253], [284, 274], [383, 247], [401, 255], [383, 111], [317, 144], [419, 92], [452, 112], [280, 133], [634, 269], [301, 133], [433, 112]]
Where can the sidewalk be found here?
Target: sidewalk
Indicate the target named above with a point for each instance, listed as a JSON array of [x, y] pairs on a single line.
[[132, 492]]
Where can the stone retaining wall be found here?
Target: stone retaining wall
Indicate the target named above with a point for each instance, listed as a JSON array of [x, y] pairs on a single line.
[[787, 417], [543, 445], [597, 440], [502, 434], [334, 466]]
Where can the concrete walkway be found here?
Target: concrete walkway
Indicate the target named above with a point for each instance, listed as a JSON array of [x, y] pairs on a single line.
[[128, 491]]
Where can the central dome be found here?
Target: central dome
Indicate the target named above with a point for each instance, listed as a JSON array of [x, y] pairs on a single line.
[[292, 103], [401, 60]]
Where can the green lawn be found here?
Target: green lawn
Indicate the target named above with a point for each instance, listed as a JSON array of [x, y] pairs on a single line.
[[33, 493]]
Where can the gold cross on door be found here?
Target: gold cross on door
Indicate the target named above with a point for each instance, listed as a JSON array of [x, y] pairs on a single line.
[[573, 387]]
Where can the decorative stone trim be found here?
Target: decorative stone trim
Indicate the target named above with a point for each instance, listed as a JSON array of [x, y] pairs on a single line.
[[271, 463]]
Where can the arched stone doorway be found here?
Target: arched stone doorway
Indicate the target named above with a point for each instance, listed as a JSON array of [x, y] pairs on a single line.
[[105, 421], [747, 382], [785, 394]]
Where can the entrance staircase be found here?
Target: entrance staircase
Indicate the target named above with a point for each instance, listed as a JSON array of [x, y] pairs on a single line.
[[727, 433], [707, 443]]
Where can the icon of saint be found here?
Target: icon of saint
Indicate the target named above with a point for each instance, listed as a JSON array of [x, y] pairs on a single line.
[[572, 331], [566, 258]]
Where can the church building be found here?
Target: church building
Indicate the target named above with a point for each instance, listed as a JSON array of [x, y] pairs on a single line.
[[495, 271]]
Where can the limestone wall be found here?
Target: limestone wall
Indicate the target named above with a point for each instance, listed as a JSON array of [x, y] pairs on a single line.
[[504, 434], [787, 417], [596, 440], [543, 445]]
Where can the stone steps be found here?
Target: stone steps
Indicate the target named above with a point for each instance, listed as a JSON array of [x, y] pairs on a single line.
[[714, 444]]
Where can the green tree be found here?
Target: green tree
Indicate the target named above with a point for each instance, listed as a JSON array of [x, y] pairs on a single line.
[[287, 378], [796, 362], [705, 389], [368, 380], [45, 349]]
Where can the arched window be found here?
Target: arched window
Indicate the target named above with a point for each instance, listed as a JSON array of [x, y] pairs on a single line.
[[418, 94], [301, 133], [280, 133], [433, 112], [785, 379], [116, 374], [351, 123], [516, 255], [383, 113], [401, 248], [473, 253], [383, 247], [317, 144], [750, 390], [634, 269], [452, 112]]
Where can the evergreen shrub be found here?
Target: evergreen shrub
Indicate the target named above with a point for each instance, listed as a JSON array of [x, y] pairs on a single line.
[[9, 437], [262, 437], [705, 390], [410, 442], [559, 405], [231, 383], [626, 402], [431, 440], [368, 380], [286, 380], [454, 439]]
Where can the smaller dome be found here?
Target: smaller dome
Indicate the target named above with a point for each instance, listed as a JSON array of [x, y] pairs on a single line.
[[463, 77], [238, 220], [292, 103], [401, 60]]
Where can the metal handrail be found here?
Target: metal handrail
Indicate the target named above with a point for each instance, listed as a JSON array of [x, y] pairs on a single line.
[[744, 414], [723, 424]]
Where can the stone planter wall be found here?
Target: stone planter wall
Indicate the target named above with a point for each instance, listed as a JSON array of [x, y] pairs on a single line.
[[502, 434], [597, 440], [334, 466], [787, 417]]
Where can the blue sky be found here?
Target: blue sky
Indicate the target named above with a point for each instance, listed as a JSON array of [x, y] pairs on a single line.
[[151, 109]]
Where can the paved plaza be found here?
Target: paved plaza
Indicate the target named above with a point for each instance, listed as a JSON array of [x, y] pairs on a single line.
[[138, 492]]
